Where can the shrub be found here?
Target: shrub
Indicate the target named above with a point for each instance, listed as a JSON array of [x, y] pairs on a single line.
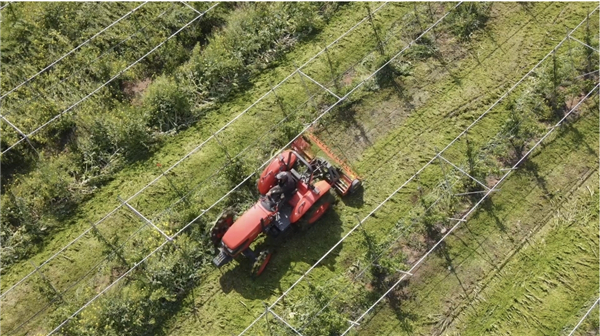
[[166, 105], [468, 18], [422, 50], [253, 39], [33, 203], [104, 140]]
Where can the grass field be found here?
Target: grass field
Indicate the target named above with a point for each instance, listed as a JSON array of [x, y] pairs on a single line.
[[525, 264]]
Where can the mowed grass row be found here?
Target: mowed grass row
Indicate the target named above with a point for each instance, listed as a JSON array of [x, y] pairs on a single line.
[[444, 116], [525, 264]]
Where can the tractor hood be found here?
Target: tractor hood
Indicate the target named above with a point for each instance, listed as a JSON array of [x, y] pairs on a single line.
[[245, 229]]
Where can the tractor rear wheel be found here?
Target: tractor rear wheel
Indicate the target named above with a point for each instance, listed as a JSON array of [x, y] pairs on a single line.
[[317, 210], [261, 263]]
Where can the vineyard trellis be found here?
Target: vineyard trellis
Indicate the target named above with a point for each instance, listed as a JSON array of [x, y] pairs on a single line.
[[193, 151], [466, 215], [183, 198], [82, 70], [36, 269], [431, 161], [583, 317], [324, 87], [320, 116], [72, 51], [110, 213]]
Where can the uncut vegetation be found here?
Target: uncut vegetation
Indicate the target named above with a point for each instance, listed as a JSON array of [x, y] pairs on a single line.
[[127, 134], [134, 115]]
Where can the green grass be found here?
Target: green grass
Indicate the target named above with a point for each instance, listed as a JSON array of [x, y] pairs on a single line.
[[441, 97], [525, 265], [85, 253], [433, 122]]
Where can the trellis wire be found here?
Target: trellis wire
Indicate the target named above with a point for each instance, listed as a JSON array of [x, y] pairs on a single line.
[[584, 317], [281, 121], [392, 242], [191, 191], [121, 205], [72, 50], [464, 217], [39, 94], [419, 171], [248, 177], [107, 82], [193, 150]]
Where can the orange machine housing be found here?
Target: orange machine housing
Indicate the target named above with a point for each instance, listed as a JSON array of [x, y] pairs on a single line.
[[283, 162]]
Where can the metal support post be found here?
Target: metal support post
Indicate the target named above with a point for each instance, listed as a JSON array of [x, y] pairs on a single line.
[[47, 281], [223, 147], [443, 170], [279, 102], [319, 84], [134, 210], [20, 133], [462, 171], [333, 77], [162, 172]]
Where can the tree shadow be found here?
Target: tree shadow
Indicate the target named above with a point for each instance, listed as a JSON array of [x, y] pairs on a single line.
[[396, 298], [289, 249], [346, 117], [491, 210], [532, 168], [577, 139]]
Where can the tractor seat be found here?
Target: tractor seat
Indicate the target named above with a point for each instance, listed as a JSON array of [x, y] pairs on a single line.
[[295, 174]]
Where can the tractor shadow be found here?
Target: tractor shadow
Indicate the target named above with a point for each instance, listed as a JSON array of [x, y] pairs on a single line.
[[296, 247], [356, 199]]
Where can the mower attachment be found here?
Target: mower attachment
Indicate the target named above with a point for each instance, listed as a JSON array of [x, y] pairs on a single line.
[[349, 181]]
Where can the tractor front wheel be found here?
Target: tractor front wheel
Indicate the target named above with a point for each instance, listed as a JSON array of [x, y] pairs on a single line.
[[261, 263], [222, 224], [356, 184]]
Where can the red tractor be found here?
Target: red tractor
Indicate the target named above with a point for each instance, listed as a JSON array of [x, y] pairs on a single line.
[[308, 179]]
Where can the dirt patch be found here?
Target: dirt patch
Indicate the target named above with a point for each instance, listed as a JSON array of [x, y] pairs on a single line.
[[347, 77], [491, 181], [134, 90], [413, 251]]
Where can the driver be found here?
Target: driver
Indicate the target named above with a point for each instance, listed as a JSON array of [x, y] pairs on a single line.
[[275, 196], [286, 181]]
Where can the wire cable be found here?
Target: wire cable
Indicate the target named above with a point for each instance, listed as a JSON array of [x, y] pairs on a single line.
[[82, 70], [245, 180], [197, 148], [417, 173], [466, 215], [72, 50], [107, 82]]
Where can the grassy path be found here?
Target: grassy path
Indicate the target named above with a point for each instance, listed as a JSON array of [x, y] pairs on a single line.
[[436, 103], [526, 265], [80, 257]]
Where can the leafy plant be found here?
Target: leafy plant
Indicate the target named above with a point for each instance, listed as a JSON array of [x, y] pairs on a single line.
[[467, 18], [167, 105]]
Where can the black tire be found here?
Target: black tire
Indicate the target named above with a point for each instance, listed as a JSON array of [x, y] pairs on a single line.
[[355, 186], [221, 225], [261, 263]]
